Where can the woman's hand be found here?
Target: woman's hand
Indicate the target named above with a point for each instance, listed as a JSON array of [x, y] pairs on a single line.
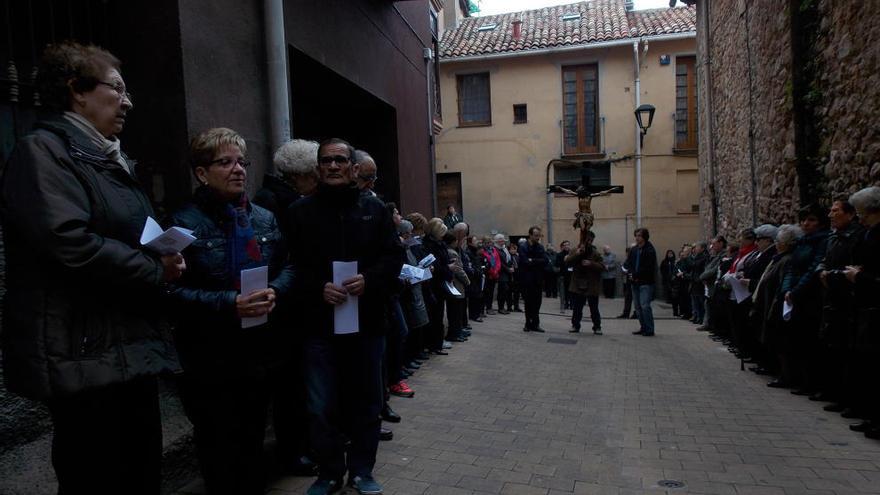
[[334, 294], [173, 266], [255, 304]]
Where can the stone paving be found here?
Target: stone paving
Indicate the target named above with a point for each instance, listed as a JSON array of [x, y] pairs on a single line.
[[513, 413]]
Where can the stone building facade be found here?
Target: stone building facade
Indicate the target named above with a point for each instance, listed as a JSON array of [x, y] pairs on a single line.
[[788, 97]]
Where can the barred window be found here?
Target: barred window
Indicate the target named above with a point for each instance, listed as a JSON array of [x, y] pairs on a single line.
[[474, 103]]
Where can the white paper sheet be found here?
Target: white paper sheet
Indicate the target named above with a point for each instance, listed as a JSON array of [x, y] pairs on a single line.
[[452, 290], [427, 260], [414, 274], [740, 290], [253, 280], [173, 240], [786, 310], [345, 315]]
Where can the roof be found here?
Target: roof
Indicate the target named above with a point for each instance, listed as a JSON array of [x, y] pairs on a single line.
[[599, 21]]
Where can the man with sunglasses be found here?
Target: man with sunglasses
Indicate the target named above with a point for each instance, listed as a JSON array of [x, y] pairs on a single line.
[[343, 372]]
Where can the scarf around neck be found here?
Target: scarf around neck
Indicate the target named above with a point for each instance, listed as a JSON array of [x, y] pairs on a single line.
[[110, 147], [233, 218]]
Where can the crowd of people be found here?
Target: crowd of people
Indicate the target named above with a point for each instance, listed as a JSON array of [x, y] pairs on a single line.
[[92, 317], [798, 302]]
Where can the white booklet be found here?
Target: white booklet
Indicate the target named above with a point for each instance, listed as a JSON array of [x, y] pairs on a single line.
[[173, 240], [740, 289], [345, 315], [427, 261], [252, 280], [414, 274]]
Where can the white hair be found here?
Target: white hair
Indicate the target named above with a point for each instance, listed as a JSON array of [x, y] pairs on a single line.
[[867, 200], [297, 157], [787, 234]]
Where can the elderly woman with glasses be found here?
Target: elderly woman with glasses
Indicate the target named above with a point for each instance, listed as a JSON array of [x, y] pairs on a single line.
[[226, 353], [81, 321]]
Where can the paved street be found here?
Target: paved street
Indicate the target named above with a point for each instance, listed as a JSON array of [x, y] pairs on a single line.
[[514, 413]]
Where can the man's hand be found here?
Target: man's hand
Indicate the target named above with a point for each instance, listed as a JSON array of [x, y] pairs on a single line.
[[173, 266], [257, 303], [852, 272], [334, 294], [354, 285], [788, 297], [823, 277]]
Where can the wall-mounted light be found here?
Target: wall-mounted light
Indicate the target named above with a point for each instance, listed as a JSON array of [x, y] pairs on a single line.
[[644, 117]]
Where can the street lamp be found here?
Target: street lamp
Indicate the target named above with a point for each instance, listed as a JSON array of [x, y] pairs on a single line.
[[645, 113]]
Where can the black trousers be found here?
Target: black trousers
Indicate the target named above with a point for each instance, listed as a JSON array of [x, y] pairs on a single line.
[[475, 305], [577, 306], [454, 317], [228, 409], [489, 293], [532, 295], [627, 299], [609, 287], [108, 440], [289, 414], [503, 294]]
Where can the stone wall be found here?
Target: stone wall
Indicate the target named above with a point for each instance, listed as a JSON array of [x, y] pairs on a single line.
[[761, 166]]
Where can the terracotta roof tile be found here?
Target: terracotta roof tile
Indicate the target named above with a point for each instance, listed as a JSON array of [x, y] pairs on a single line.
[[600, 20]]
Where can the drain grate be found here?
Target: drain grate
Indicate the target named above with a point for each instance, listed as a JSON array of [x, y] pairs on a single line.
[[670, 484], [556, 340]]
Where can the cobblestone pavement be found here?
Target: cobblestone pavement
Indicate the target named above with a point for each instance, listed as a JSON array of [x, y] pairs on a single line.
[[515, 413]]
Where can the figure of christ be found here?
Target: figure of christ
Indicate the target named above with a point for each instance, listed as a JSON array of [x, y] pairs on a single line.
[[583, 218]]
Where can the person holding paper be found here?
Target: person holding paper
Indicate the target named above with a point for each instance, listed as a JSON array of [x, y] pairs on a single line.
[[338, 226], [228, 362], [83, 330]]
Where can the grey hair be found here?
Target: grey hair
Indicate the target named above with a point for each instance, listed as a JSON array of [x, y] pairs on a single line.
[[787, 234], [460, 227], [297, 157], [867, 199], [361, 156], [499, 237], [767, 230], [404, 227]]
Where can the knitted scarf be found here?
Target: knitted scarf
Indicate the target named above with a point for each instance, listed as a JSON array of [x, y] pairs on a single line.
[[243, 249]]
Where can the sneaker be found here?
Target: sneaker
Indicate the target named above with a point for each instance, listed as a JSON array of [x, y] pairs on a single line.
[[325, 487], [447, 344], [385, 435], [401, 389], [365, 485], [597, 331]]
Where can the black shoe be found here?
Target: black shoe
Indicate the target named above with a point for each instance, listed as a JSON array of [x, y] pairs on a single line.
[[389, 415], [647, 334], [779, 384], [574, 330], [763, 371], [385, 434], [527, 329], [801, 391], [862, 427], [424, 356], [440, 353], [621, 316], [873, 433], [405, 373], [538, 330], [639, 333], [850, 413], [597, 330], [633, 316], [477, 319], [517, 310], [834, 407], [820, 397], [300, 467], [414, 365]]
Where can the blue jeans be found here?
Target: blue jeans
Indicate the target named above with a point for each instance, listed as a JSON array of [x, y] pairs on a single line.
[[345, 395], [643, 294], [699, 306]]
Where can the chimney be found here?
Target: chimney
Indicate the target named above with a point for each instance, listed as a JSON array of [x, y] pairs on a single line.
[[628, 4], [517, 29]]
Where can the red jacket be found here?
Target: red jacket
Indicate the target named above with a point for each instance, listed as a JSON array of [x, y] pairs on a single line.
[[493, 262]]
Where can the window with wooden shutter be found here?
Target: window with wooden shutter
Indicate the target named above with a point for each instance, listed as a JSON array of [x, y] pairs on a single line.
[[580, 109], [685, 103]]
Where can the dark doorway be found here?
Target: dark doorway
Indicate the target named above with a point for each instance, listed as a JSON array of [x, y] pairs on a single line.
[[326, 105], [449, 192]]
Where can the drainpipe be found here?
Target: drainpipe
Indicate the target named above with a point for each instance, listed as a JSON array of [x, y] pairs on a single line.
[[638, 137], [703, 7], [276, 66], [428, 55], [549, 204]]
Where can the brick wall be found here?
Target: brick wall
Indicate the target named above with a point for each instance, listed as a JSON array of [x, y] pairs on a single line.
[[751, 158]]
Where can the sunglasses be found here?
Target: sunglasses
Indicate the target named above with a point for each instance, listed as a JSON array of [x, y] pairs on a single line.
[[340, 159]]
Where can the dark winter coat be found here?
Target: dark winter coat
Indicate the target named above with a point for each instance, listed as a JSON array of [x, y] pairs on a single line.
[[867, 255], [698, 265], [276, 196], [646, 272], [83, 306], [340, 224], [532, 264], [585, 280], [838, 308], [208, 330]]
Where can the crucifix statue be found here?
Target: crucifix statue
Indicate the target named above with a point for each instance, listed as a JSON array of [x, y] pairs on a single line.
[[583, 218]]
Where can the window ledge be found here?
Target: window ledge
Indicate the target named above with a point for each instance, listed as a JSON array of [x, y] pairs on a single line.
[[684, 151], [518, 122], [487, 124], [582, 156]]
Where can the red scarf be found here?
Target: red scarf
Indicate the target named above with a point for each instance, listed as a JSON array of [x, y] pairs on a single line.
[[743, 252]]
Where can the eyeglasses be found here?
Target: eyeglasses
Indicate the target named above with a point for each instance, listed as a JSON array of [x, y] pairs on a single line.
[[120, 90], [340, 159], [227, 162], [368, 178]]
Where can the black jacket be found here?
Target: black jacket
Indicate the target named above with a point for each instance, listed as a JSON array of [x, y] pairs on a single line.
[[340, 224], [532, 264], [208, 332], [647, 267], [83, 303], [276, 196]]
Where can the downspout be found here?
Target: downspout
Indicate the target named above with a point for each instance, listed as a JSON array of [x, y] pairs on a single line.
[[276, 67], [638, 137], [549, 203], [429, 55]]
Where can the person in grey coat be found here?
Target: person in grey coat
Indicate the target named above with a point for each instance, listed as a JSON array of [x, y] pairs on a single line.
[[609, 276]]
